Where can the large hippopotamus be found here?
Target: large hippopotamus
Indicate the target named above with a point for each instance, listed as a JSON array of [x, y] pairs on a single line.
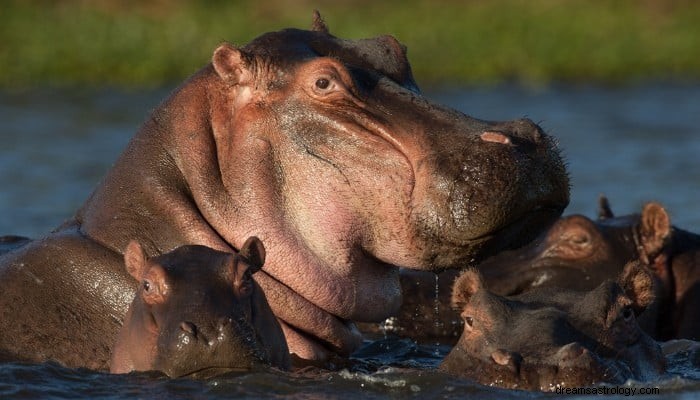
[[555, 337], [325, 149], [198, 313]]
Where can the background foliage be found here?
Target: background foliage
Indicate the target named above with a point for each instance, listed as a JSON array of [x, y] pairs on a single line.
[[152, 43]]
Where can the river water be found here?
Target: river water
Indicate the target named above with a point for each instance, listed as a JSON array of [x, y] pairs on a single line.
[[634, 144]]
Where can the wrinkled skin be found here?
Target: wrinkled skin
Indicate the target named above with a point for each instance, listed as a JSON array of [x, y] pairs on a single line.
[[197, 313], [575, 253], [324, 149], [551, 337]]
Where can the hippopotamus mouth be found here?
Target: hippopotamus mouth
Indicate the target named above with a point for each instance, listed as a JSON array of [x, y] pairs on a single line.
[[518, 232]]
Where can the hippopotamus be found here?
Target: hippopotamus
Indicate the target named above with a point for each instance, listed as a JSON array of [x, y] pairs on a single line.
[[198, 312], [576, 252], [12, 242], [326, 150], [555, 337]]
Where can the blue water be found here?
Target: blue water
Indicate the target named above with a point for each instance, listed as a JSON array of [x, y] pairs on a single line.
[[634, 144]]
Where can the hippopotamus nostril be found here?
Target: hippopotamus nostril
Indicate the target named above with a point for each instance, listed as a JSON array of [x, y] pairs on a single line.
[[507, 359], [574, 354], [189, 327], [518, 132], [495, 137], [223, 323]]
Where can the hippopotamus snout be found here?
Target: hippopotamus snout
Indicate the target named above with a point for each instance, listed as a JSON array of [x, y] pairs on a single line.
[[572, 363], [216, 336], [206, 349], [510, 165]]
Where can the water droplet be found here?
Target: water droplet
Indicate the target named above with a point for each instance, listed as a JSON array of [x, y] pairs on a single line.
[[436, 309]]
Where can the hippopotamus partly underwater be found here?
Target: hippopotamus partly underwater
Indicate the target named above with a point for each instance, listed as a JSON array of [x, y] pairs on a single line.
[[576, 253], [198, 313], [325, 149], [555, 337]]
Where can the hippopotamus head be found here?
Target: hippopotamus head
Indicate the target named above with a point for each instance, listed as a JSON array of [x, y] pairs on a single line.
[[551, 337], [579, 253], [197, 312], [326, 150], [361, 157]]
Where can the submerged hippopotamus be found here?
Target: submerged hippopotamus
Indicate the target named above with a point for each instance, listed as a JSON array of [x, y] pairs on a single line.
[[576, 253], [325, 149], [552, 337], [198, 312]]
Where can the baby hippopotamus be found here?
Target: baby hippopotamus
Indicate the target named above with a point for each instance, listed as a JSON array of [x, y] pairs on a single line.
[[197, 313], [551, 337]]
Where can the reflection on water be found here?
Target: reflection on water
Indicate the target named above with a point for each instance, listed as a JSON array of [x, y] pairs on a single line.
[[634, 144]]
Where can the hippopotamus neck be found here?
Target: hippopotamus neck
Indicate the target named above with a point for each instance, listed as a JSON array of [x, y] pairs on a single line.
[[162, 186]]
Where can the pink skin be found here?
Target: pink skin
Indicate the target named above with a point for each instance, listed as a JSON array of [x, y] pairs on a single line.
[[339, 207]]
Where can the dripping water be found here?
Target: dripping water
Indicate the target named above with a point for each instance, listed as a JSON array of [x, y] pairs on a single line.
[[436, 312]]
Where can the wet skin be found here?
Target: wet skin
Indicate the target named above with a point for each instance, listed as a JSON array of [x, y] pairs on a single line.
[[553, 337], [323, 148], [198, 313], [579, 253], [575, 253]]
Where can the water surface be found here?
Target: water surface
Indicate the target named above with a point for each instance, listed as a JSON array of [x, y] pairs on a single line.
[[635, 144]]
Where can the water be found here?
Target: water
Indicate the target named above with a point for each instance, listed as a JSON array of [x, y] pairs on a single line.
[[634, 144]]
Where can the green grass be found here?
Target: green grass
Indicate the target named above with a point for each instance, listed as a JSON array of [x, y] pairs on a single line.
[[127, 43]]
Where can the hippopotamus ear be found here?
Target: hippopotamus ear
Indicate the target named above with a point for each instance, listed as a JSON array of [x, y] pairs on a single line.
[[231, 64], [468, 283], [318, 24], [254, 250], [637, 282], [135, 260], [604, 211], [655, 230]]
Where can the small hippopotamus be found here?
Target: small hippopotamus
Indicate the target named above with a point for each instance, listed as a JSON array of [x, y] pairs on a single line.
[[322, 147], [197, 313], [553, 337], [577, 253]]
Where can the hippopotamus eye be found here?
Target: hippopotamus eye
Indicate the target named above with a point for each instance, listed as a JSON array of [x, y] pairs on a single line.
[[323, 83], [627, 313], [469, 321]]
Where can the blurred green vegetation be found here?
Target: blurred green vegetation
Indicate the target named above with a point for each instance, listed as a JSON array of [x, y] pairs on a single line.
[[152, 43]]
